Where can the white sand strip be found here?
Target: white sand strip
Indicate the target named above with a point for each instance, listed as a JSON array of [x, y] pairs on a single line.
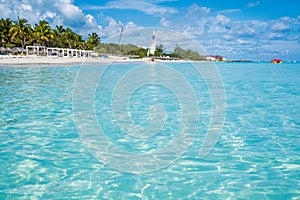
[[25, 60]]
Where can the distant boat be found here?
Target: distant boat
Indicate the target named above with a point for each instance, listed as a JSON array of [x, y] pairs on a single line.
[[276, 61], [151, 49]]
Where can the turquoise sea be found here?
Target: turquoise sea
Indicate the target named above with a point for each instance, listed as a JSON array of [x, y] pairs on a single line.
[[43, 154]]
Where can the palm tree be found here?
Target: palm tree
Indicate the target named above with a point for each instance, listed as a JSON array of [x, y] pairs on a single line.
[[78, 42], [60, 29], [20, 31], [159, 50], [68, 38], [93, 40], [58, 36], [5, 25], [72, 39], [42, 33]]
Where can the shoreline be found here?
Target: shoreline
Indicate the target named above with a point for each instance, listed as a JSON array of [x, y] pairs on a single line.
[[43, 60], [15, 60]]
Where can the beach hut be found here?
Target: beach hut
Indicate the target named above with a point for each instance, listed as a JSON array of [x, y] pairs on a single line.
[[36, 50], [2, 49]]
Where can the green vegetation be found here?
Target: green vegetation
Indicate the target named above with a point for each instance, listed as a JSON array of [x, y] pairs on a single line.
[[92, 41], [187, 54], [20, 33], [42, 33], [159, 50], [138, 52], [123, 49]]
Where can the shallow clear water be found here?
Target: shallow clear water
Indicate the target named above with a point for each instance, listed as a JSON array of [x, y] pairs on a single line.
[[256, 156]]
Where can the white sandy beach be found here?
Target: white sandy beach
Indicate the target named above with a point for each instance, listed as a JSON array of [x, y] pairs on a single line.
[[40, 60], [26, 60]]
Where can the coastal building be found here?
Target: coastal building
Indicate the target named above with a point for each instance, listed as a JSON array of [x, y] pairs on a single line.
[[59, 52], [276, 60], [219, 58], [210, 58], [215, 58], [36, 50]]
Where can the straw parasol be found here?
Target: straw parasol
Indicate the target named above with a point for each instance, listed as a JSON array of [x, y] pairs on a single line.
[[21, 49], [14, 50], [8, 49]]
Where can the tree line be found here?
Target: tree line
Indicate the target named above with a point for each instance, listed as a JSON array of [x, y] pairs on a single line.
[[139, 52], [20, 33]]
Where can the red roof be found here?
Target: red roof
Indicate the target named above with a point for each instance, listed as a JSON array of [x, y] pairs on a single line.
[[276, 61]]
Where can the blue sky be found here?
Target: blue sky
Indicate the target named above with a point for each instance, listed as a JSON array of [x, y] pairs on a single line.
[[237, 29]]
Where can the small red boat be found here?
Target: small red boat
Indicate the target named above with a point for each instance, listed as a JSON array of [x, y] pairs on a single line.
[[276, 61]]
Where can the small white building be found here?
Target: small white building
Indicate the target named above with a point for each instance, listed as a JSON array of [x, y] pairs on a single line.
[[210, 58], [36, 50], [59, 52]]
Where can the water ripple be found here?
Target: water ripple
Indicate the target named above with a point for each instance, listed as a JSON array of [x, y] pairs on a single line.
[[257, 154]]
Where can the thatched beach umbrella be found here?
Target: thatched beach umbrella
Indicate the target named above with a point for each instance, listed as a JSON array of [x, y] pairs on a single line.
[[14, 49], [8, 49], [18, 49]]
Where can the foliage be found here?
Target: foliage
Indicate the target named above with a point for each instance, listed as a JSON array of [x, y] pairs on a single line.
[[5, 25], [20, 33], [139, 53], [123, 49], [58, 36], [159, 50], [187, 54], [42, 33], [93, 41], [72, 40]]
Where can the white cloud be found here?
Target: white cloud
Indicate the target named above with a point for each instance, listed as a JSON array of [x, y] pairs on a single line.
[[130, 26], [247, 29], [227, 37], [5, 10], [56, 12], [243, 42], [26, 7], [164, 22], [229, 11], [114, 27], [279, 26], [195, 9], [34, 11], [275, 36], [238, 39], [222, 19], [49, 14], [216, 30], [141, 5], [69, 10], [253, 4], [90, 19]]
